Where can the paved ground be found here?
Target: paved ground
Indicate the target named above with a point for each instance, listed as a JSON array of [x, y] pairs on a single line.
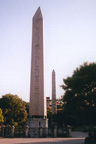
[[77, 138], [79, 134]]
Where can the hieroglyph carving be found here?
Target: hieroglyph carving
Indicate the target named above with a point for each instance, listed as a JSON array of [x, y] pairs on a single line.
[[36, 71]]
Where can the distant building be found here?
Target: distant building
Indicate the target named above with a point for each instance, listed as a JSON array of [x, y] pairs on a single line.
[[59, 104], [48, 102]]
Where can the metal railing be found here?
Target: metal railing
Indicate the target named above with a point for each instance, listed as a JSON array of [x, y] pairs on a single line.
[[11, 131]]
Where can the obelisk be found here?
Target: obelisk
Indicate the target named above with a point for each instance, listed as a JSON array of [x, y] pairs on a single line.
[[54, 106], [37, 108]]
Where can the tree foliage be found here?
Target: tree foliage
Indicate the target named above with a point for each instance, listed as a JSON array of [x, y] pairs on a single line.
[[14, 109], [80, 95]]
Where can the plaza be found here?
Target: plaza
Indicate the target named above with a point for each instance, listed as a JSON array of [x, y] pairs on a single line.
[[77, 138]]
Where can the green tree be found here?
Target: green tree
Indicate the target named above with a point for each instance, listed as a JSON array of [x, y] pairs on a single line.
[[1, 116], [27, 107], [14, 109], [80, 95]]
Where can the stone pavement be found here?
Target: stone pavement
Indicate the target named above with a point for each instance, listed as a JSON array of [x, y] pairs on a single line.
[[78, 138]]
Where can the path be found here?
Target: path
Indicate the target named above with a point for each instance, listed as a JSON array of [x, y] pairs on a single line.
[[78, 138]]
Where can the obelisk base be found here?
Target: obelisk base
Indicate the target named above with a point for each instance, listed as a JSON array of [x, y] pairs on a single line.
[[38, 127]]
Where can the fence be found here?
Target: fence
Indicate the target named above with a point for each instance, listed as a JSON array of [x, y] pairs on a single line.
[[0, 131], [11, 131]]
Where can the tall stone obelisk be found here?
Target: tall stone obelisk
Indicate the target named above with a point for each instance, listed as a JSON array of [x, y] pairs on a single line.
[[37, 108], [54, 106]]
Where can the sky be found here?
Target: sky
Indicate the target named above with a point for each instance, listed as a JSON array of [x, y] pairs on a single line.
[[69, 41]]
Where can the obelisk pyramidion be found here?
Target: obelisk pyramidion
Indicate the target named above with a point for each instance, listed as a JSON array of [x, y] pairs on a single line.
[[54, 107], [37, 108]]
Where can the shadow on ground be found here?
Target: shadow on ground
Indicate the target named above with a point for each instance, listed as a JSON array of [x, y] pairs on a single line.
[[56, 141]]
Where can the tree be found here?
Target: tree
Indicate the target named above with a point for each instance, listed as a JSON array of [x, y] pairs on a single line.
[[1, 116], [14, 110], [80, 95], [27, 107]]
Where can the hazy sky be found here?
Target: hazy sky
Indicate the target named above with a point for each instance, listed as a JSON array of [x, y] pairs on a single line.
[[69, 41]]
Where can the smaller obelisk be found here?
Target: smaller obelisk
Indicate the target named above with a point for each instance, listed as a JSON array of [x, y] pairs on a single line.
[[54, 106]]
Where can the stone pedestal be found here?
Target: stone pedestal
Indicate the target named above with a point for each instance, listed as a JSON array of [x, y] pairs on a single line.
[[69, 131], [38, 122], [35, 125], [55, 131], [41, 132], [12, 131], [26, 131]]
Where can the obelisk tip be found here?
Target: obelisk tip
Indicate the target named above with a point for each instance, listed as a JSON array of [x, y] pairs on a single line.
[[38, 13]]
